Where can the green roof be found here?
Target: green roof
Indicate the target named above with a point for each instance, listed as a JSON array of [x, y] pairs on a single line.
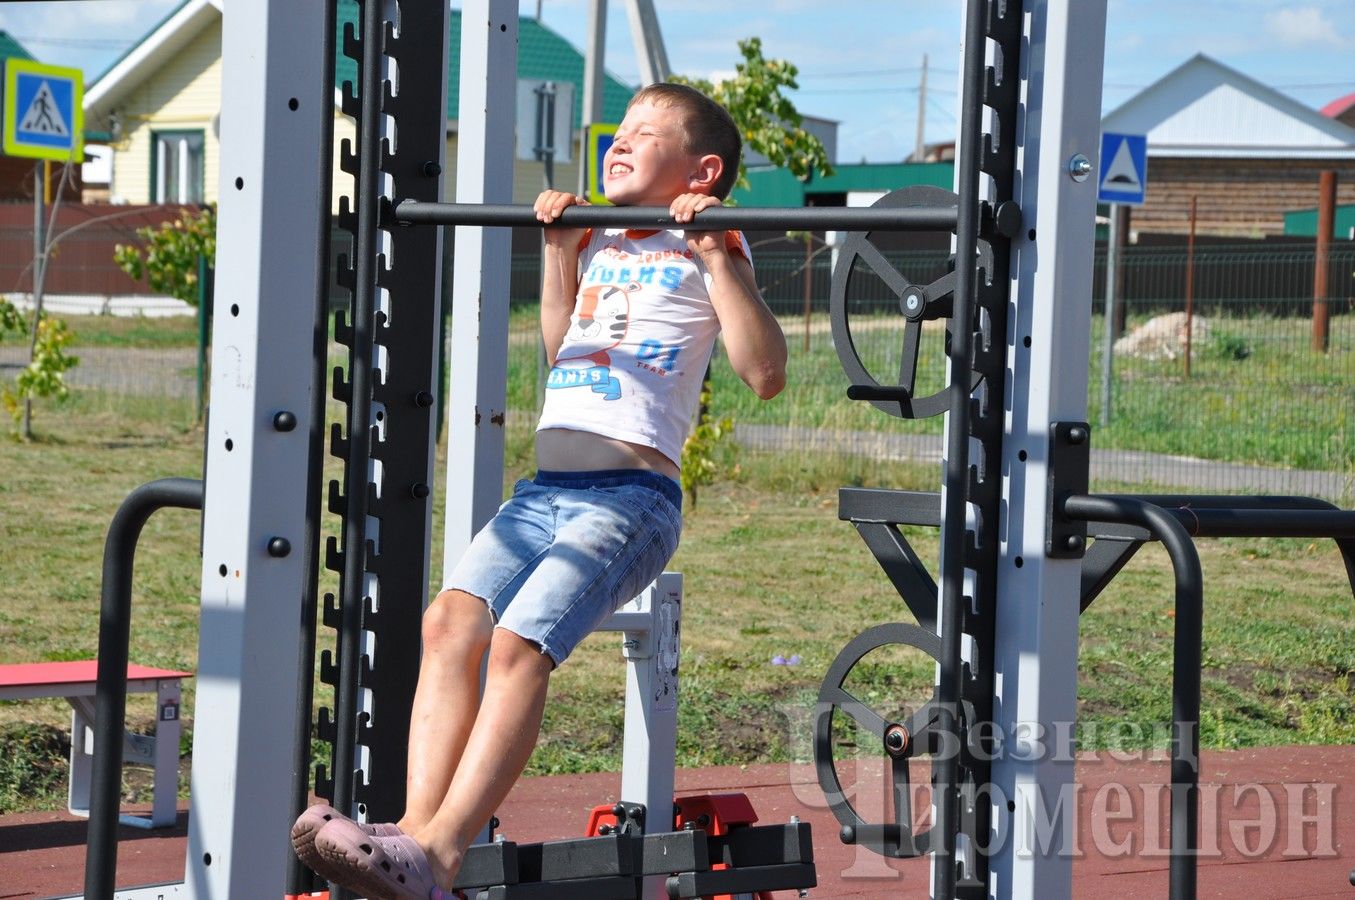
[[1303, 222], [768, 186], [543, 55], [11, 48]]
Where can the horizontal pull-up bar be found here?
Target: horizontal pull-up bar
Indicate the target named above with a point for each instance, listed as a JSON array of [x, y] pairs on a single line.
[[805, 218]]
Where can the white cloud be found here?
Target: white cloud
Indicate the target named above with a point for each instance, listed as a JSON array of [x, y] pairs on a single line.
[[1303, 26]]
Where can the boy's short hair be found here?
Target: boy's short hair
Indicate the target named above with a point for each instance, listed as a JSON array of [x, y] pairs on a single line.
[[709, 127]]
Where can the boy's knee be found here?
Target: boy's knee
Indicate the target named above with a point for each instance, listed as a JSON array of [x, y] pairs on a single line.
[[456, 618], [510, 651]]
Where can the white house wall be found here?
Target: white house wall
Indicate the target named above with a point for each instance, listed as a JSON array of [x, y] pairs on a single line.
[[184, 95], [528, 175]]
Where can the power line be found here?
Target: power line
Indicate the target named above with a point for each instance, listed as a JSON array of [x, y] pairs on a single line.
[[92, 43], [870, 73]]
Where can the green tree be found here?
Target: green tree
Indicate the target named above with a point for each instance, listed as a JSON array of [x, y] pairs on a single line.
[[768, 120], [168, 260], [44, 376], [772, 126]]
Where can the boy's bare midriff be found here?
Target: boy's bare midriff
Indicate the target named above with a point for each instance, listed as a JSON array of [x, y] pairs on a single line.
[[564, 450]]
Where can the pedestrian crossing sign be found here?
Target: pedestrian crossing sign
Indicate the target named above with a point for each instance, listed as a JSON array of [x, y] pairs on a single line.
[[598, 139], [43, 111]]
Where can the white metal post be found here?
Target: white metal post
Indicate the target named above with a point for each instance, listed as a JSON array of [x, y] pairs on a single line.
[[274, 103], [651, 629], [478, 342], [1037, 616]]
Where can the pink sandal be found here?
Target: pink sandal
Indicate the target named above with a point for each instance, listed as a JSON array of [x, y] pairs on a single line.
[[393, 867], [309, 823]]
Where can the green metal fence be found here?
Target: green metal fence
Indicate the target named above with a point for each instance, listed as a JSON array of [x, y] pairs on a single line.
[[1258, 410]]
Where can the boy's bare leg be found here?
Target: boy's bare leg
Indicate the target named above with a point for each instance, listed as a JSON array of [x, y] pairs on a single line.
[[500, 744], [456, 632]]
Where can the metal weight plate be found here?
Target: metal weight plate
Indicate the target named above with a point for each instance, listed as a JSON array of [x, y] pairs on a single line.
[[918, 303], [900, 740]]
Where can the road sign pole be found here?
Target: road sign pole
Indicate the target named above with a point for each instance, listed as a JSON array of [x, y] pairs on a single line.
[[1112, 279], [39, 269]]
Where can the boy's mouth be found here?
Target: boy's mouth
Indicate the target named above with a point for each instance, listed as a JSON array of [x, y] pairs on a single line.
[[618, 169]]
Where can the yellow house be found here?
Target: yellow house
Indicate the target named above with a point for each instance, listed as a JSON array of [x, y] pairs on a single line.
[[160, 106]]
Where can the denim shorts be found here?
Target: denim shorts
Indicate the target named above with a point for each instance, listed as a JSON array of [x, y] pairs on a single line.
[[568, 548]]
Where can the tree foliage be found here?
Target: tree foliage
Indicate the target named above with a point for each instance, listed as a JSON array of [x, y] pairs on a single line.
[[44, 376], [768, 120], [772, 126], [168, 260]]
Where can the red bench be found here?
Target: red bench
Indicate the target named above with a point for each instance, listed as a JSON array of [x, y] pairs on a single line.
[[76, 682]]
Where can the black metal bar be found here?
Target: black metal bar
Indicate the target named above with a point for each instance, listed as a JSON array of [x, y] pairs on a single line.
[[905, 570], [1201, 522], [742, 881], [891, 506], [356, 478], [1102, 562], [815, 218], [954, 527], [110, 697], [1185, 750], [604, 888], [1220, 515]]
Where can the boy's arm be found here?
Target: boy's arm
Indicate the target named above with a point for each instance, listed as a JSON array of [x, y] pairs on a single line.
[[560, 269], [754, 340], [754, 343]]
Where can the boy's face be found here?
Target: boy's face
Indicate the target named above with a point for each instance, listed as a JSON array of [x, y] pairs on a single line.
[[647, 164]]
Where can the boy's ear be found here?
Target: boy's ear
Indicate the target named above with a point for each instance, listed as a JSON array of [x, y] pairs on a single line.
[[706, 173]]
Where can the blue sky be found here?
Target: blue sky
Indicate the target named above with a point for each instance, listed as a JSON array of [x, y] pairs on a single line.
[[859, 62]]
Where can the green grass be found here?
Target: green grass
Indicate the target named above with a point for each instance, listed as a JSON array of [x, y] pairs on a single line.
[[134, 331], [768, 570]]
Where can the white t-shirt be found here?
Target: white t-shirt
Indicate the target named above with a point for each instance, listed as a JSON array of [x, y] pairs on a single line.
[[639, 340]]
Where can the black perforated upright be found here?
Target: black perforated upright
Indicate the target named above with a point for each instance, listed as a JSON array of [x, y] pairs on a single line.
[[997, 159], [387, 386]]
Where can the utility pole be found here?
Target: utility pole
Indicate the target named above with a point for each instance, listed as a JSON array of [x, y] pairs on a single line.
[[648, 40], [920, 154]]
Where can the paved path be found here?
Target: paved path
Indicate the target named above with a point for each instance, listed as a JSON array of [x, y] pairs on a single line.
[[1123, 466], [172, 373], [1276, 822]]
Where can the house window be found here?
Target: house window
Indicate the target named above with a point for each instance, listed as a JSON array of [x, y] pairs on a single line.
[[177, 166]]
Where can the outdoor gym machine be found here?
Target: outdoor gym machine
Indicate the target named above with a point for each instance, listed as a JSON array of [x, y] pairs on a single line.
[[1014, 490]]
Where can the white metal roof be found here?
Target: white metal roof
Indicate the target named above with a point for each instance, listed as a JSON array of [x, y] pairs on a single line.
[[169, 37], [1204, 108]]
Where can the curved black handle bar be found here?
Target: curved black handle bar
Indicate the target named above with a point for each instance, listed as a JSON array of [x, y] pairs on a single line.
[[892, 392]]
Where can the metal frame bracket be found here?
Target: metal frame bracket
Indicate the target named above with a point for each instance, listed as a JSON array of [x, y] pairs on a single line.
[[1069, 473]]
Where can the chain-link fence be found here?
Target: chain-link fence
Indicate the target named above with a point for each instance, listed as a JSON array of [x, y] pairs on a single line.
[[1235, 398]]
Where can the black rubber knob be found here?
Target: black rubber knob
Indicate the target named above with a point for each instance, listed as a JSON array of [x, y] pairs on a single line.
[[279, 547], [423, 399], [284, 420], [848, 834], [419, 491]]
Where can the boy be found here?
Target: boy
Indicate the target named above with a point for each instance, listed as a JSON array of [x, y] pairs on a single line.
[[629, 319]]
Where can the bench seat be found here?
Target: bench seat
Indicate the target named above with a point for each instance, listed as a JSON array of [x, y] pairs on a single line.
[[77, 682]]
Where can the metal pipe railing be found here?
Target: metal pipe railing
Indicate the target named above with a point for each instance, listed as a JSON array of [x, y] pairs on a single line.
[[1185, 749], [110, 697], [810, 218]]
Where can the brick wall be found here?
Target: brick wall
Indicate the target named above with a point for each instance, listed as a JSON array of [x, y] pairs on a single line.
[[1236, 197]]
